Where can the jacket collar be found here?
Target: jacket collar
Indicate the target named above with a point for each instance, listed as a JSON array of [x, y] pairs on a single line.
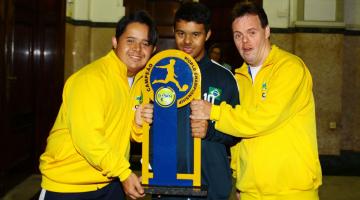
[[119, 66], [204, 62]]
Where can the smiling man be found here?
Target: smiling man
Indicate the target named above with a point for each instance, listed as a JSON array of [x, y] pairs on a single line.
[[87, 151], [192, 30]]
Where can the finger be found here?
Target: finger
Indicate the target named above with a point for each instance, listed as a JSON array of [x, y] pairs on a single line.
[[149, 106], [194, 123], [197, 116], [140, 191], [195, 107], [149, 121], [195, 102], [132, 196], [147, 115]]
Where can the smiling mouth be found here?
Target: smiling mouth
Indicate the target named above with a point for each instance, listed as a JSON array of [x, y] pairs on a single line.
[[135, 57]]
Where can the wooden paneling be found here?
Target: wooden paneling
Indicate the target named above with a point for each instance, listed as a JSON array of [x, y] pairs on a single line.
[[163, 13], [32, 45], [221, 28]]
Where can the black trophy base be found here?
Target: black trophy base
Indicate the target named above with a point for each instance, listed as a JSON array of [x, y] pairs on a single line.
[[175, 190]]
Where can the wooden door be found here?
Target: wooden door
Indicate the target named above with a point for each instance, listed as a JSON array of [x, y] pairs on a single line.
[[32, 51], [221, 28], [163, 13]]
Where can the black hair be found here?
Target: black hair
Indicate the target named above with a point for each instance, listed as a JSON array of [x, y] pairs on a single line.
[[245, 8], [194, 12], [142, 17]]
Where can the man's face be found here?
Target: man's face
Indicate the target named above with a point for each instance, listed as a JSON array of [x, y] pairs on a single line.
[[133, 47], [251, 40], [190, 37], [215, 54]]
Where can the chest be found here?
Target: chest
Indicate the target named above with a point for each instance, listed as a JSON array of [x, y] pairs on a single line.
[[213, 89], [253, 92]]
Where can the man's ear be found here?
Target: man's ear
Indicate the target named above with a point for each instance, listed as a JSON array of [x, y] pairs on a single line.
[[114, 42], [208, 35], [267, 32]]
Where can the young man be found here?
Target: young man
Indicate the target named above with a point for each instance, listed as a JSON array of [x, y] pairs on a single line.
[[192, 30], [277, 157], [88, 147]]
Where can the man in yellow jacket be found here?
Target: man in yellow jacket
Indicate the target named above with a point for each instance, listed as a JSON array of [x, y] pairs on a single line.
[[87, 151], [277, 159]]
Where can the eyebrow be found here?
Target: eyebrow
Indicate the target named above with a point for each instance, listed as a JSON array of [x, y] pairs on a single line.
[[190, 32], [131, 37]]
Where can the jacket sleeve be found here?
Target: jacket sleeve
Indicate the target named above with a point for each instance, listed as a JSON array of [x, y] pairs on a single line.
[[136, 133], [215, 135], [290, 91], [86, 98]]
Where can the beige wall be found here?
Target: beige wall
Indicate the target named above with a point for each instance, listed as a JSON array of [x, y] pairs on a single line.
[[84, 44], [323, 54], [351, 95], [335, 66]]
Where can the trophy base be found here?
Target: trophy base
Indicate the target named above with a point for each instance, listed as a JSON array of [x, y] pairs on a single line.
[[175, 190]]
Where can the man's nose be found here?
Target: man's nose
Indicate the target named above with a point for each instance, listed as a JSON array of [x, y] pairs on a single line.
[[187, 38]]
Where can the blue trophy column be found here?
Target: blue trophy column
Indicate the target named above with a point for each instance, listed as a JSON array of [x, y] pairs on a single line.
[[164, 143], [164, 148]]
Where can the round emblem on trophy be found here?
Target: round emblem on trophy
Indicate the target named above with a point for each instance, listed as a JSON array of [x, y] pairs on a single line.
[[176, 70], [165, 96]]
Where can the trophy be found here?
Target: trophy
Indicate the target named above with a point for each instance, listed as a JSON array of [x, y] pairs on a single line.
[[172, 79]]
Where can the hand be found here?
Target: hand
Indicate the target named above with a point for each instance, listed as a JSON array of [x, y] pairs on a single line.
[[200, 109], [144, 113], [199, 128], [237, 195], [132, 187]]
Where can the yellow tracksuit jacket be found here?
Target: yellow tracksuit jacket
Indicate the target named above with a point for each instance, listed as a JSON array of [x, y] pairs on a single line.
[[89, 143], [277, 159]]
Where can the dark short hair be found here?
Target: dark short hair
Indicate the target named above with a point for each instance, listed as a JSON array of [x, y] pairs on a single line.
[[194, 12], [250, 8], [214, 46], [140, 17]]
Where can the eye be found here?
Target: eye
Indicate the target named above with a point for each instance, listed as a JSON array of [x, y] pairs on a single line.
[[130, 41], [196, 34], [180, 34], [145, 43], [237, 36]]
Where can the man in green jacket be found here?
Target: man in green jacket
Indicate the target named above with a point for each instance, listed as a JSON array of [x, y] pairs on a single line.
[[277, 157]]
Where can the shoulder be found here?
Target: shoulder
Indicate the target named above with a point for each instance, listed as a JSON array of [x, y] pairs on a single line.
[[290, 68], [218, 68], [94, 72], [288, 62], [222, 76]]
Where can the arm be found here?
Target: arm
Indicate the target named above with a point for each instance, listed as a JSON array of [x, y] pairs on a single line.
[[86, 101], [288, 94], [210, 133]]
